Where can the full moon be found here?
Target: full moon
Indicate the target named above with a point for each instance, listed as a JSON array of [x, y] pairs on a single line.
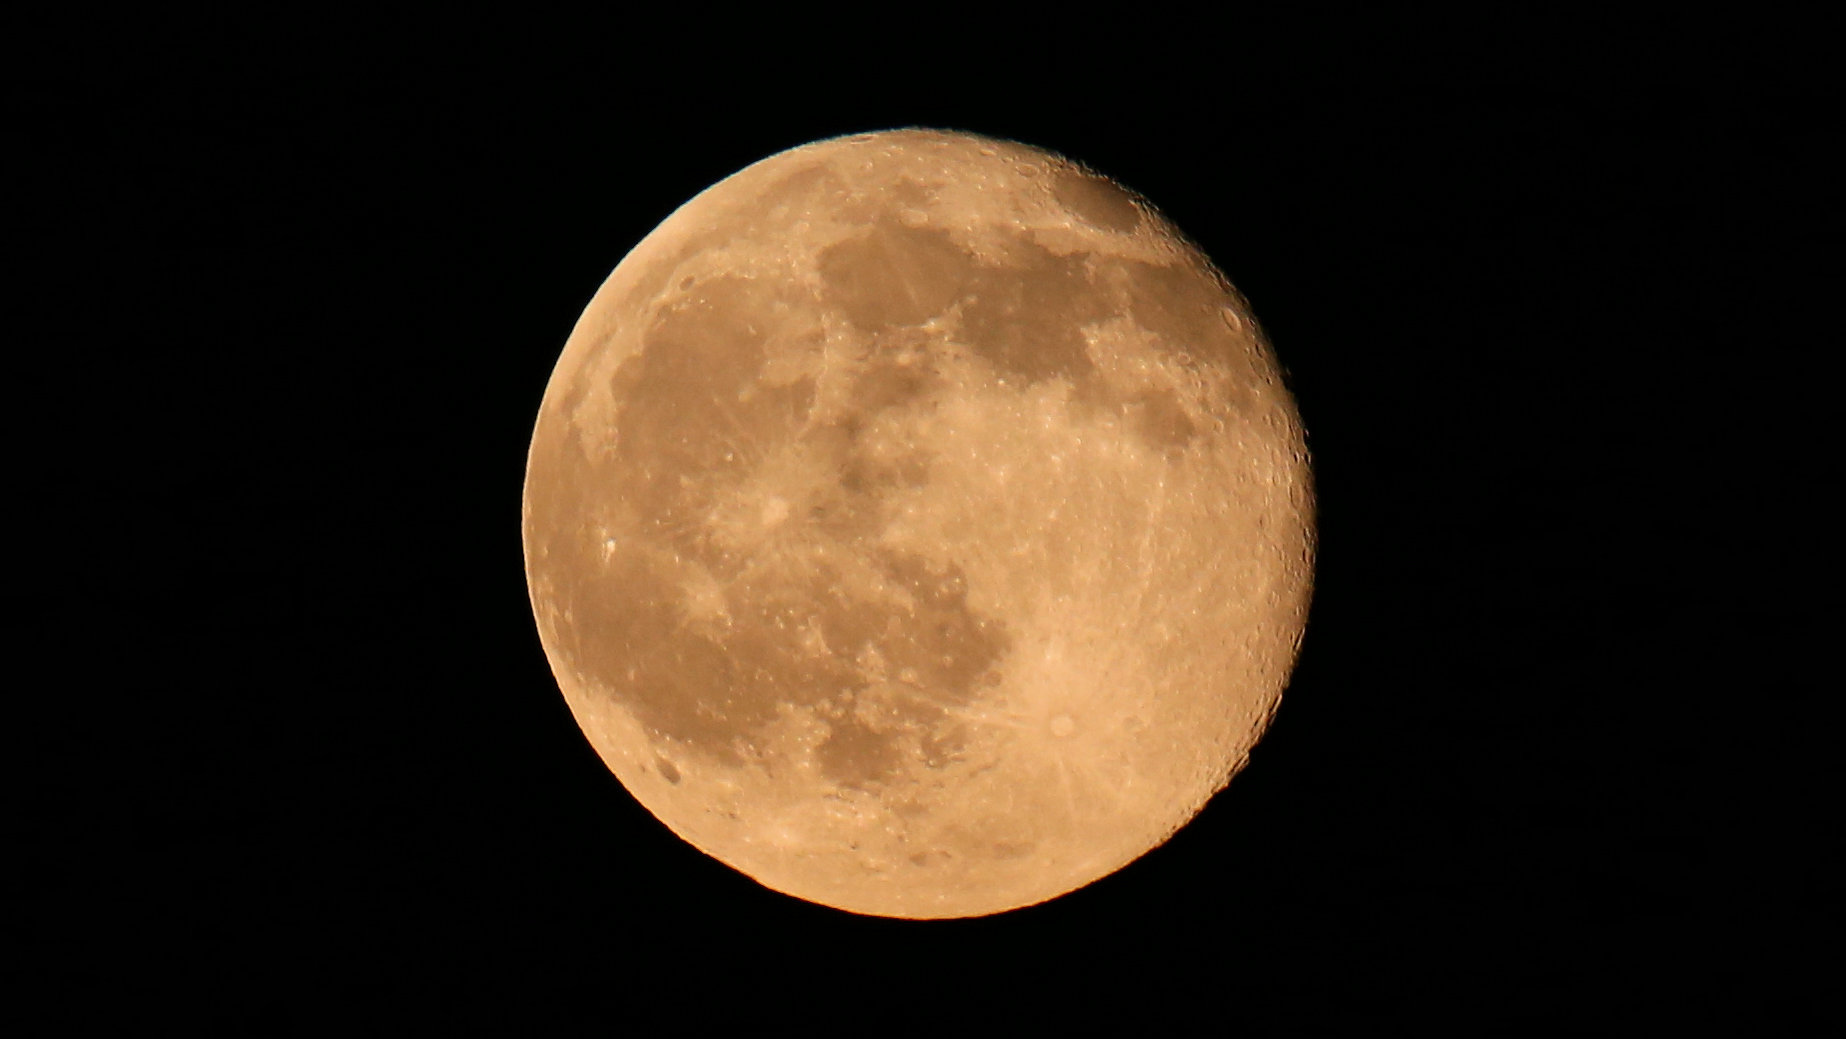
[[918, 523]]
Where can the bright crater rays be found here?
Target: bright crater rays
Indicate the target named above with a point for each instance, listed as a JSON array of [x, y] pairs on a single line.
[[916, 523]]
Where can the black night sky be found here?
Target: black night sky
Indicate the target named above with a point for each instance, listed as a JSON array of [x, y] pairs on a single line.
[[297, 760]]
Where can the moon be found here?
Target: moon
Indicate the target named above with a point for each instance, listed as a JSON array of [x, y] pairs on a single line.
[[918, 523]]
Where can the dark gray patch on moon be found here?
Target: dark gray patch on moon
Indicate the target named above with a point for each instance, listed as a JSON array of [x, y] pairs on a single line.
[[1096, 201], [894, 275], [1027, 317]]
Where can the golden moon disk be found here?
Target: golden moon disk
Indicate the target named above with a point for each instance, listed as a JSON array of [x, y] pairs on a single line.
[[918, 523]]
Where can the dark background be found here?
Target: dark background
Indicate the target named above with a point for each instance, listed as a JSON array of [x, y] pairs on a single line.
[[292, 295]]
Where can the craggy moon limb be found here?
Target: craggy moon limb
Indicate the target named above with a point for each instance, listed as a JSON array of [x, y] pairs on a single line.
[[917, 523]]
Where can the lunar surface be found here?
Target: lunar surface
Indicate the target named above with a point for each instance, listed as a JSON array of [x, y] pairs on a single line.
[[917, 523]]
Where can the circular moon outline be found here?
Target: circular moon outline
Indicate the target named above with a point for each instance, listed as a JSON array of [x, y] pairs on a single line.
[[918, 523]]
